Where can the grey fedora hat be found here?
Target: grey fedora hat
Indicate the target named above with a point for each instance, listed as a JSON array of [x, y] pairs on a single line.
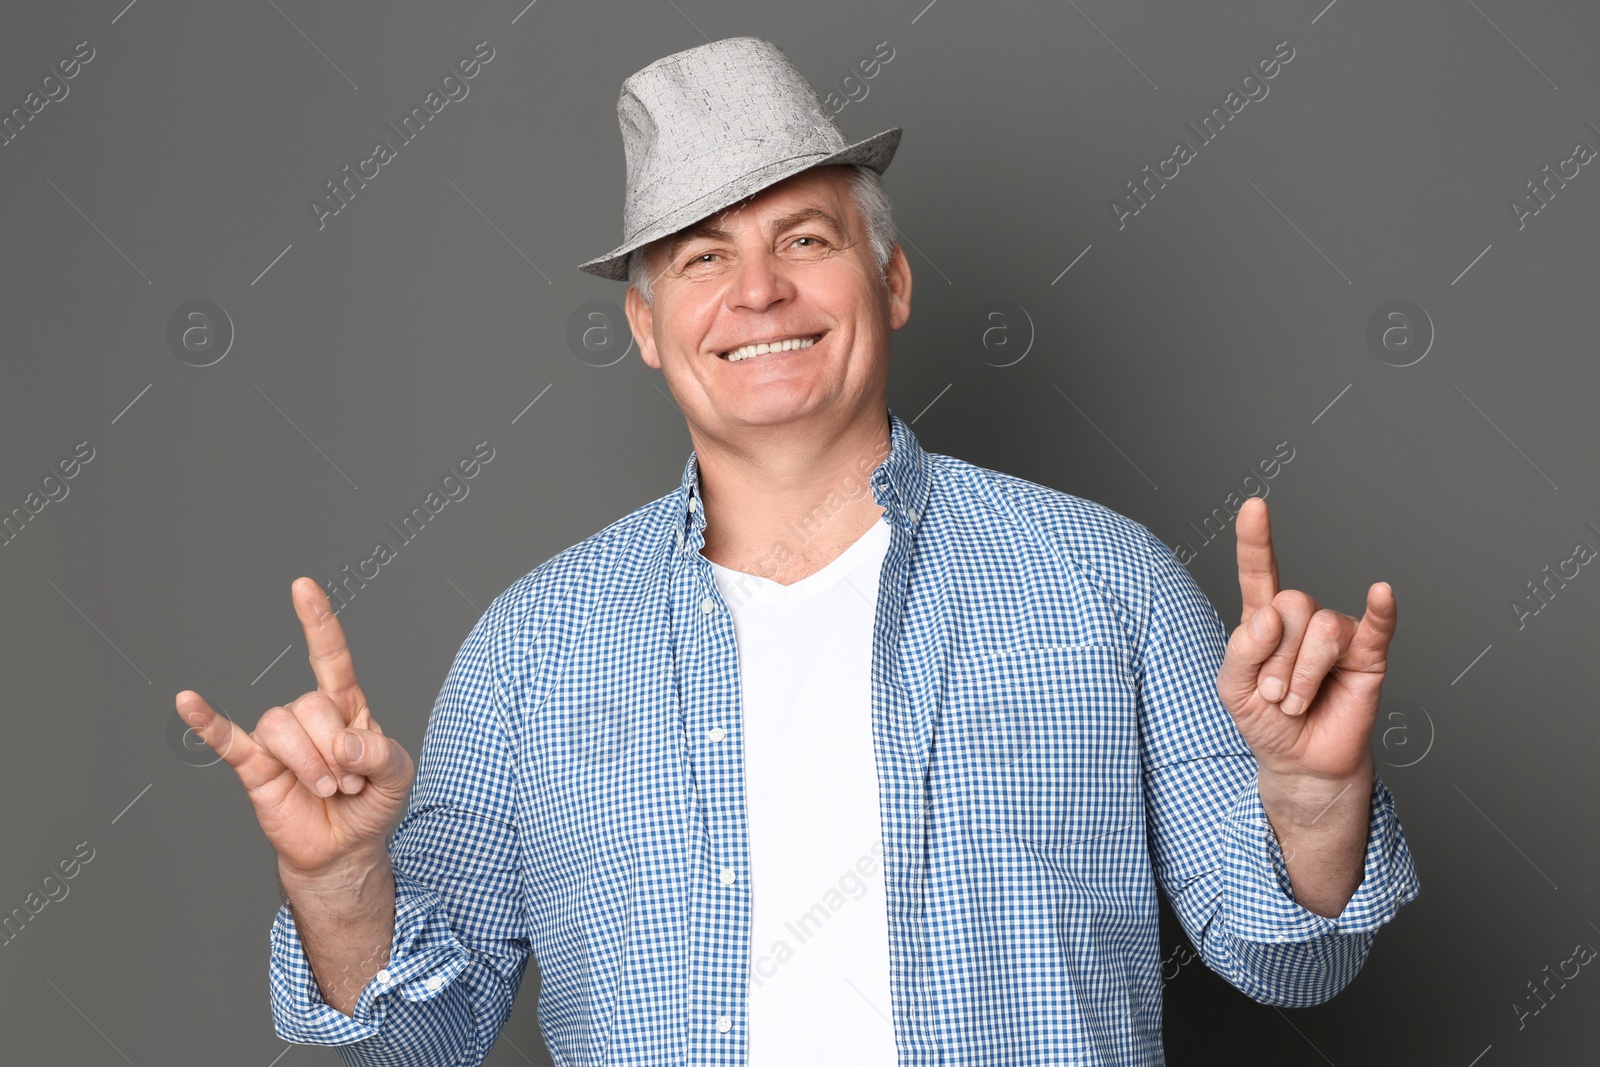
[[706, 127]]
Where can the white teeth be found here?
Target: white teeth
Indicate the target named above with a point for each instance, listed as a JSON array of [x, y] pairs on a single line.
[[785, 345]]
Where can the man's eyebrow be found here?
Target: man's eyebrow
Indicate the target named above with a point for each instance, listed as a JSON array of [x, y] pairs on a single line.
[[710, 231], [704, 228], [806, 214]]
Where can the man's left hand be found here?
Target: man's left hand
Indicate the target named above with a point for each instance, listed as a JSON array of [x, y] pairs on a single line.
[[1304, 689], [1302, 683]]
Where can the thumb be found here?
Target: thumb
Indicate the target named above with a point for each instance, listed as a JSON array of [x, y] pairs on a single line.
[[381, 760], [1251, 645]]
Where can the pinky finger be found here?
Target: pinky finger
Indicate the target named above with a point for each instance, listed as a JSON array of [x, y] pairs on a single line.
[[250, 761]]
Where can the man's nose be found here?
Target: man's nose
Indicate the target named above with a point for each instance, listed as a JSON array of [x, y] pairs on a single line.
[[758, 282]]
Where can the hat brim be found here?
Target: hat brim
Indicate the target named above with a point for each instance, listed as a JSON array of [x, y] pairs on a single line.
[[875, 152]]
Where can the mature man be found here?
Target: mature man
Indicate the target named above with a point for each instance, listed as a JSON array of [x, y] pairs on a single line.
[[843, 751]]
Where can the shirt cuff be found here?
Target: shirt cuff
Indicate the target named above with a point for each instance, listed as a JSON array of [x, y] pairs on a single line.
[[423, 959], [1259, 904]]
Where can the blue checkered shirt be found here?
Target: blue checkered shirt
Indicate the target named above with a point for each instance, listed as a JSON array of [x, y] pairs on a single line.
[[1050, 747]]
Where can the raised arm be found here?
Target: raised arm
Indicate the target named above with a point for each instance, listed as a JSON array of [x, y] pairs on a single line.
[[1213, 848], [326, 786], [412, 954]]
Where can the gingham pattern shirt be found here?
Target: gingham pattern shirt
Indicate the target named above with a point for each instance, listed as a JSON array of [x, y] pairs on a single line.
[[1049, 744]]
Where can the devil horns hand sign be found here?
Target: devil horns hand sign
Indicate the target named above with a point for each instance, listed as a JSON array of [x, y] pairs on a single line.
[[1302, 682], [325, 781]]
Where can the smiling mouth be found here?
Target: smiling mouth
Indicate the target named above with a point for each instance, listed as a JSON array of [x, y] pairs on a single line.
[[788, 344]]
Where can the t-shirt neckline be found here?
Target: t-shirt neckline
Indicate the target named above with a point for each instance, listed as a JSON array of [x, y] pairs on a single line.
[[874, 539]]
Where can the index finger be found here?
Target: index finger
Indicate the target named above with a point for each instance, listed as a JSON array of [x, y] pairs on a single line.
[[329, 654], [1258, 565]]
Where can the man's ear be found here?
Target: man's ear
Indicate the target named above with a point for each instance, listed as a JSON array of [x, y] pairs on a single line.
[[641, 320], [897, 273]]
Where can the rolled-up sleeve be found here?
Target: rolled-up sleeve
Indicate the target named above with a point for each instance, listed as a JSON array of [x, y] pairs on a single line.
[[1213, 849], [461, 938]]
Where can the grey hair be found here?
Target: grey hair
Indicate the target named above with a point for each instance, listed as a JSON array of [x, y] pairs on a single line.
[[872, 204]]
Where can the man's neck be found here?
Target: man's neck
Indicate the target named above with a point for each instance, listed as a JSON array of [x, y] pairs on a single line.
[[786, 507]]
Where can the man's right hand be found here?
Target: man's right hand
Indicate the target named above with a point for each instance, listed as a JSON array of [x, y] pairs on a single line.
[[319, 833]]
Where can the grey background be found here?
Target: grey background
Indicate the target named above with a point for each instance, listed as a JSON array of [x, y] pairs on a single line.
[[369, 356]]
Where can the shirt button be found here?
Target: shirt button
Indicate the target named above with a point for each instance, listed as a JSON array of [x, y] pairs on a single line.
[[384, 976], [716, 733], [728, 876], [694, 503], [435, 983], [724, 1024], [708, 605], [913, 513]]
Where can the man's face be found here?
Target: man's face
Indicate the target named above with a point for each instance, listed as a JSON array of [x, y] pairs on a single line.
[[791, 263]]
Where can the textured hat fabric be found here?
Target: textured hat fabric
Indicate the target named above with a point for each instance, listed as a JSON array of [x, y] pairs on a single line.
[[706, 127]]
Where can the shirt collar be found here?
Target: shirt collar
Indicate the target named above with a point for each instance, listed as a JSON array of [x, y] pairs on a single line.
[[899, 484]]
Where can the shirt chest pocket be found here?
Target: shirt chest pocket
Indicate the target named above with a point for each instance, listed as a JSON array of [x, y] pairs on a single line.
[[1050, 743]]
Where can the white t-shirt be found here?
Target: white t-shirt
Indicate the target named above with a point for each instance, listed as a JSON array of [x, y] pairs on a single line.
[[819, 934]]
